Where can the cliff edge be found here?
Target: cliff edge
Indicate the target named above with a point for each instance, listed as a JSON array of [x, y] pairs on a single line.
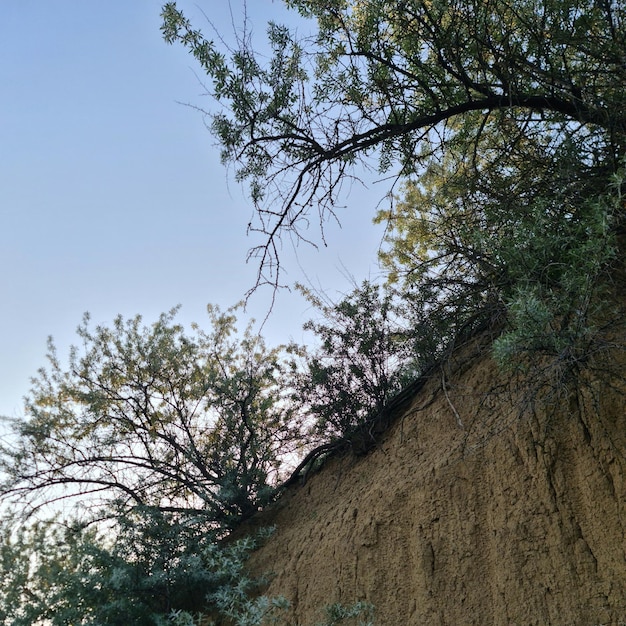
[[481, 504]]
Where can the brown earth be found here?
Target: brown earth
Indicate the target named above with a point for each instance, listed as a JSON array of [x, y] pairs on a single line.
[[480, 505]]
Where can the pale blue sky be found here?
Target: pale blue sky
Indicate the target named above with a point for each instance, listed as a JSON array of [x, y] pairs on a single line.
[[112, 196]]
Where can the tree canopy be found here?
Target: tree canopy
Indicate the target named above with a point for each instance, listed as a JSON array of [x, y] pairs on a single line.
[[154, 417], [404, 80]]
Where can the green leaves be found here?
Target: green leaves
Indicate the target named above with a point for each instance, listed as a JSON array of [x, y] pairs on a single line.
[[403, 81], [365, 355], [339, 614], [152, 416], [518, 226], [149, 569]]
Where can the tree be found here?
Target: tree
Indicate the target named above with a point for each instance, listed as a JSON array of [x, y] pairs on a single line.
[[486, 231], [370, 346], [405, 79], [151, 417], [153, 571]]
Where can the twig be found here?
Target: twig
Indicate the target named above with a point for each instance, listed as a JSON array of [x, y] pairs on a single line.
[[445, 392]]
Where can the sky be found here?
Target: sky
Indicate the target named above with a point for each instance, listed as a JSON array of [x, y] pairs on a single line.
[[113, 199]]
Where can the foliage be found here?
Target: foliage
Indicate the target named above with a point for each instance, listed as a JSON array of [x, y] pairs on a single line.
[[164, 441], [338, 613], [554, 314], [406, 81], [151, 417], [237, 597], [531, 236], [59, 575], [156, 571], [505, 122], [365, 356]]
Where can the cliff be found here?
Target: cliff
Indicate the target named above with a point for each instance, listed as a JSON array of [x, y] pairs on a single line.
[[481, 504]]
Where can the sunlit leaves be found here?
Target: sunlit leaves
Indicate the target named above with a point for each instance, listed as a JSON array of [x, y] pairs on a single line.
[[520, 225]]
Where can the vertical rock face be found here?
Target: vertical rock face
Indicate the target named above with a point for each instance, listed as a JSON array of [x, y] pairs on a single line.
[[477, 507]]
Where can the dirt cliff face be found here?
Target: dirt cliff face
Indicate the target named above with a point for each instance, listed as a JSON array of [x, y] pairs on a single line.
[[478, 506]]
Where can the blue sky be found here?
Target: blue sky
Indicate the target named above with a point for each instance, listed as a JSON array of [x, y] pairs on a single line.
[[112, 196]]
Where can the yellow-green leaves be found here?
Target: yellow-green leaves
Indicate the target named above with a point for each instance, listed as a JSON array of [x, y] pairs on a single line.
[[403, 80], [150, 415]]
